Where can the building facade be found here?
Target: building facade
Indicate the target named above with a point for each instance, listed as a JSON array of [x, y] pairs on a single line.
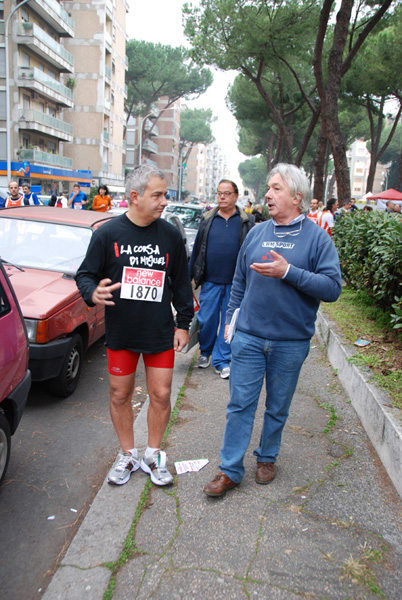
[[98, 116], [37, 79]]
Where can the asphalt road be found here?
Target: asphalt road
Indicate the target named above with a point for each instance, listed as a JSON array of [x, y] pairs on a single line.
[[59, 458]]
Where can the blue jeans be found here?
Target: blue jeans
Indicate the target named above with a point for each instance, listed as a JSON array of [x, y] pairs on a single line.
[[214, 299], [252, 359]]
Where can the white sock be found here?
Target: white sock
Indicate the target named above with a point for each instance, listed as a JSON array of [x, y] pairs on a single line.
[[134, 452], [150, 451]]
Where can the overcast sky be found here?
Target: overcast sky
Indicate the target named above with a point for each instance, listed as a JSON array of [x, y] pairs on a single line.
[[161, 21]]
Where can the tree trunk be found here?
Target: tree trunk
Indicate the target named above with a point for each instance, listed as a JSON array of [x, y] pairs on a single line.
[[319, 162]]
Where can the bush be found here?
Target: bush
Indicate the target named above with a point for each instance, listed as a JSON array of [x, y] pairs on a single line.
[[369, 248]]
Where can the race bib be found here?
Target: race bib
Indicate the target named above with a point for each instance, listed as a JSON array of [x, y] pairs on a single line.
[[78, 205], [142, 284]]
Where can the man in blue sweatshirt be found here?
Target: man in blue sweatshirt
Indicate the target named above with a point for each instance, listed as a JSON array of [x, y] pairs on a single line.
[[213, 260], [285, 267]]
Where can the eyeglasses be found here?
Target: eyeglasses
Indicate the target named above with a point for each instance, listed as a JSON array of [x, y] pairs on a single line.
[[282, 234], [226, 194]]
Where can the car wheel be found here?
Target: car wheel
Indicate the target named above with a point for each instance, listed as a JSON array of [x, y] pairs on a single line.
[[65, 384], [5, 446]]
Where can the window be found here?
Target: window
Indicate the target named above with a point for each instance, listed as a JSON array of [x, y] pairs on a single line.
[[26, 102], [112, 99], [25, 59], [3, 105], [3, 143], [25, 141], [113, 67], [130, 136], [2, 61], [52, 111], [111, 128], [24, 15], [114, 32]]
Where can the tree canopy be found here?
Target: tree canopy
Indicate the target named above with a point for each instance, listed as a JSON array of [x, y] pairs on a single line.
[[253, 173], [273, 44], [157, 71]]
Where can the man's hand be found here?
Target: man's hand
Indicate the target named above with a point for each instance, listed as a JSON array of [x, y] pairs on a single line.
[[181, 339], [226, 331], [103, 293], [274, 267]]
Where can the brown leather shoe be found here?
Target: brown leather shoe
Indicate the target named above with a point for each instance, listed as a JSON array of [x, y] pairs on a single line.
[[265, 472], [219, 485]]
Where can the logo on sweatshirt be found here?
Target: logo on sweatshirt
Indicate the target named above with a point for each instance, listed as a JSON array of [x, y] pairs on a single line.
[[286, 245]]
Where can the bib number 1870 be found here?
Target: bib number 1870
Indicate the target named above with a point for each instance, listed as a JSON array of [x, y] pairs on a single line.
[[145, 285]]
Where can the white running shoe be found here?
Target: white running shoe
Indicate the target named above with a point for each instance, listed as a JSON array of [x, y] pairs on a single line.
[[124, 465], [155, 466]]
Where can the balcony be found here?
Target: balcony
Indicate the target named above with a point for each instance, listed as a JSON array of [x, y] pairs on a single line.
[[30, 34], [55, 15], [150, 147], [36, 120], [34, 79], [45, 158], [148, 127]]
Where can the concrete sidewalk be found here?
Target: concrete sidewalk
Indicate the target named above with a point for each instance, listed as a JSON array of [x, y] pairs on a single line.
[[329, 526]]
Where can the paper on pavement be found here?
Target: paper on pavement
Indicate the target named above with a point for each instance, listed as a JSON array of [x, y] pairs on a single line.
[[187, 466]]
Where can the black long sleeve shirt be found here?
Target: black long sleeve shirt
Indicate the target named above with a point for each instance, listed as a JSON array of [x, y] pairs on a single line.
[[151, 263]]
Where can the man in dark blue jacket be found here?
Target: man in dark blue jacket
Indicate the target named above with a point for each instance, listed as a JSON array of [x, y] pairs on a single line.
[[220, 236]]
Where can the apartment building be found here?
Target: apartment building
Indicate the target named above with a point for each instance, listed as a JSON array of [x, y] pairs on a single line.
[[359, 163], [98, 117], [159, 144], [38, 77]]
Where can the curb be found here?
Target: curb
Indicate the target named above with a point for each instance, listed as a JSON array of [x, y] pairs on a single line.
[[373, 406]]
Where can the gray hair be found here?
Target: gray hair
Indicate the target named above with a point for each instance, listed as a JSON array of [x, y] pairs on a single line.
[[139, 177], [297, 182]]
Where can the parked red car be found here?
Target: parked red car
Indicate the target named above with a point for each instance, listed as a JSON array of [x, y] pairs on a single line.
[[42, 247], [15, 378]]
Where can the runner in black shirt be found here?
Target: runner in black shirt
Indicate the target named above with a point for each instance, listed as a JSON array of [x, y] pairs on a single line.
[[136, 266]]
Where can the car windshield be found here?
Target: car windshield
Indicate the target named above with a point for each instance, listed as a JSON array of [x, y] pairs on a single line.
[[42, 245], [188, 215]]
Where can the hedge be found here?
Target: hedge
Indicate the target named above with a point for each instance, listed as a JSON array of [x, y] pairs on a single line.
[[370, 252]]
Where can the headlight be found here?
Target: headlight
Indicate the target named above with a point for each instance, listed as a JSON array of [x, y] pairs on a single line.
[[38, 331], [32, 326]]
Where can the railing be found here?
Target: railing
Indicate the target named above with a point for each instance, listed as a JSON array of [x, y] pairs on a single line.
[[60, 12], [105, 167], [108, 72], [33, 30], [106, 136], [38, 156], [34, 74], [39, 117], [150, 146]]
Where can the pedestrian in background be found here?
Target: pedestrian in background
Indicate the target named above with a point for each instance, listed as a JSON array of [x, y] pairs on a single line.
[[285, 267], [213, 260], [102, 201], [29, 197], [77, 199]]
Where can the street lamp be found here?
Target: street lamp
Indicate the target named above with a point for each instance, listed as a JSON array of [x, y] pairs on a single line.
[[8, 115], [148, 116]]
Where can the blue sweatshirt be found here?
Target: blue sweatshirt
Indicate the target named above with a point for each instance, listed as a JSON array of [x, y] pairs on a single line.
[[285, 309]]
